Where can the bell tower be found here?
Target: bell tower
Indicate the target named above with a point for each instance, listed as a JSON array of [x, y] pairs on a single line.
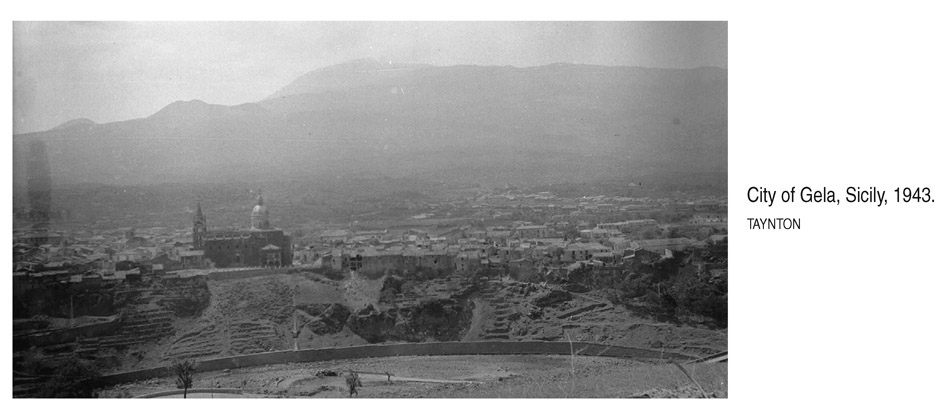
[[198, 229]]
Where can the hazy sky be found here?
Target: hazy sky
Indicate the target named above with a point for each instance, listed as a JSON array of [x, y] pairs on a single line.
[[117, 71]]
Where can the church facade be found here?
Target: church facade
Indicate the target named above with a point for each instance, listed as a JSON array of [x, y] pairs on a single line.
[[260, 245]]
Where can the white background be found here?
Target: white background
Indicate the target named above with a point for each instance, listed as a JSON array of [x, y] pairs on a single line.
[[849, 312]]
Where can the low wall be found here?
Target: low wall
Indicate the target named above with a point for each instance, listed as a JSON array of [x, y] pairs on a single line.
[[228, 391], [406, 349]]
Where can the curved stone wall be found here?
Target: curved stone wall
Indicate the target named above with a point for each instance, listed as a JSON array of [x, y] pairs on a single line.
[[407, 349]]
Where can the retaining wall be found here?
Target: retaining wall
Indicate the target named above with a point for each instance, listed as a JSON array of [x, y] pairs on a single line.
[[230, 391], [57, 336], [406, 349], [245, 273]]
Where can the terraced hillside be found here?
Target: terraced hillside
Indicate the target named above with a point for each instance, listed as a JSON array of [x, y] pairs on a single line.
[[510, 310], [268, 313], [503, 309], [145, 324]]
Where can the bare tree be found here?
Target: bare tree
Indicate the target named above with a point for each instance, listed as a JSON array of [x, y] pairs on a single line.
[[184, 372]]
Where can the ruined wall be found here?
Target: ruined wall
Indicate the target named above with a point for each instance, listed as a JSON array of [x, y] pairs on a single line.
[[379, 264], [375, 265]]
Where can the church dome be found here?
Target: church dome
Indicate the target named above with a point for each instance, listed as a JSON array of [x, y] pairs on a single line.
[[259, 215]]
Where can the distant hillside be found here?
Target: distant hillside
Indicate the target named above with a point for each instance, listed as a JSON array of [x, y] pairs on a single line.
[[76, 124], [345, 76], [467, 124]]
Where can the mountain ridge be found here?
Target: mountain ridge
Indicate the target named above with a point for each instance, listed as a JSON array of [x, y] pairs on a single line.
[[471, 123], [198, 103]]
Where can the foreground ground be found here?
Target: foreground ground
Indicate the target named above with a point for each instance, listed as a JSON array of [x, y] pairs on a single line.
[[477, 376], [280, 311]]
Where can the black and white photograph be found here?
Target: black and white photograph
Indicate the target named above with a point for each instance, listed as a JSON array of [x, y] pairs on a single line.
[[379, 209]]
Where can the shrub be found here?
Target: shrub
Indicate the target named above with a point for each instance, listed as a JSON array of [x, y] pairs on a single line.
[[74, 379]]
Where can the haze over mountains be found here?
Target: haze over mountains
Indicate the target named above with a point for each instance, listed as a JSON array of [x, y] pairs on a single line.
[[466, 124]]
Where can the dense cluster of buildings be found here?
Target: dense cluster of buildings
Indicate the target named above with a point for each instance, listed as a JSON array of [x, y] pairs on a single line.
[[562, 234], [518, 234], [43, 258], [518, 249]]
